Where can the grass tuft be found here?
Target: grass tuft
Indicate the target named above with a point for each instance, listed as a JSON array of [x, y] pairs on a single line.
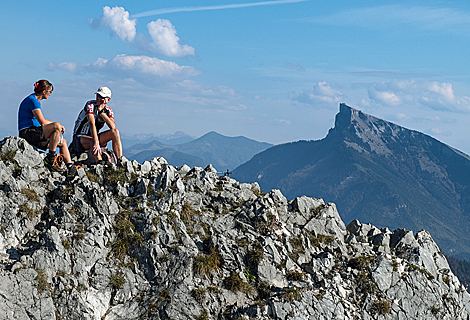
[[235, 283], [381, 307], [207, 263], [199, 294], [41, 283], [126, 237], [29, 212], [117, 280], [30, 194]]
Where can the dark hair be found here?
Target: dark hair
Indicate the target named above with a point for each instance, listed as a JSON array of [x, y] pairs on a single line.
[[42, 85]]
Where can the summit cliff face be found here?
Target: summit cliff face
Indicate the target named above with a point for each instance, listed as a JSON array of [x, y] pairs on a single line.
[[378, 172], [153, 241]]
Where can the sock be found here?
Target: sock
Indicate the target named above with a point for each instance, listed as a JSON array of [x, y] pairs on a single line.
[[51, 152], [69, 165]]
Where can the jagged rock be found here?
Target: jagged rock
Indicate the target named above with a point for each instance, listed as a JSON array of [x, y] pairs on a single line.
[[151, 241], [22, 297]]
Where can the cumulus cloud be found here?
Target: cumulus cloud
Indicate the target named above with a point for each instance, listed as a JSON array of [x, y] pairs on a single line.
[[117, 20], [163, 39], [140, 68], [321, 92], [431, 94]]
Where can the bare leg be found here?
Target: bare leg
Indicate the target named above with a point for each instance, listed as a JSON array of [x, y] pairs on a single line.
[[112, 134], [87, 143], [52, 132], [64, 149]]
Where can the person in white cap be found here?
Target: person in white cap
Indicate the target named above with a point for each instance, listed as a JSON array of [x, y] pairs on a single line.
[[90, 121]]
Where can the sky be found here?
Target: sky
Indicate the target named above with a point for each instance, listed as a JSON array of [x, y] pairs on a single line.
[[273, 71]]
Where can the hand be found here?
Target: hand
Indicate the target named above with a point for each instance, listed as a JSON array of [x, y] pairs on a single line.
[[96, 149]]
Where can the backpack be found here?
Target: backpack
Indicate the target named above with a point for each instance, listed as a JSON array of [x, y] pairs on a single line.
[[108, 155]]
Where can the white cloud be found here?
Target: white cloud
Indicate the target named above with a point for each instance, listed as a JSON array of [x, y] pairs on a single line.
[[201, 90], [202, 98], [386, 97], [321, 92], [434, 95], [140, 68], [165, 40], [117, 20], [219, 7], [66, 66]]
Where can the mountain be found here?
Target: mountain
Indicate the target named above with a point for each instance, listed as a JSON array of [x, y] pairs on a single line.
[[212, 148], [152, 241], [378, 172], [223, 152], [174, 157], [168, 139]]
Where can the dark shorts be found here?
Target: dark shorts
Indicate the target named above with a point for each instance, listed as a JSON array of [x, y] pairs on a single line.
[[76, 147], [35, 136]]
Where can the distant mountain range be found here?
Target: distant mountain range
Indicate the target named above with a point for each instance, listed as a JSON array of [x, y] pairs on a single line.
[[178, 137], [376, 172], [224, 153]]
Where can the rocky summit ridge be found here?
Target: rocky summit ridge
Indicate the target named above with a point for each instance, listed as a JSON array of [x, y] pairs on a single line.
[[153, 241]]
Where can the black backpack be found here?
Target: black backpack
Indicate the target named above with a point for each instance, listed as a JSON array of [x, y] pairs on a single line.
[[108, 155]]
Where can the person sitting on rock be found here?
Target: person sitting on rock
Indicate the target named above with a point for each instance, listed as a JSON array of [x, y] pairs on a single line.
[[41, 132], [90, 120]]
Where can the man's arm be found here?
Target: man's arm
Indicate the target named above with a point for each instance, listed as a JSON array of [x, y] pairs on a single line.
[[108, 120], [94, 134]]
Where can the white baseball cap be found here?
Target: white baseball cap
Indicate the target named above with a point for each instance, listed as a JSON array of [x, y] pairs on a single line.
[[105, 92]]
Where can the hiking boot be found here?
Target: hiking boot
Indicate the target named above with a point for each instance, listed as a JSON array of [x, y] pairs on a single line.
[[72, 171], [104, 163], [53, 162]]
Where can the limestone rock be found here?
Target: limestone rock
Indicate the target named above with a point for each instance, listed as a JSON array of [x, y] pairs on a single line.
[[151, 241]]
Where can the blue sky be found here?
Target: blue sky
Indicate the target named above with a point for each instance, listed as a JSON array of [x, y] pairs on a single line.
[[273, 71]]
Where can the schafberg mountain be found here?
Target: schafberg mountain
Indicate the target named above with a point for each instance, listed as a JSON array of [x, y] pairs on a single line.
[[153, 241], [377, 172], [212, 148]]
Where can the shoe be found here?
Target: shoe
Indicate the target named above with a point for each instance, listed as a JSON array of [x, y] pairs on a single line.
[[103, 162], [53, 162], [72, 171]]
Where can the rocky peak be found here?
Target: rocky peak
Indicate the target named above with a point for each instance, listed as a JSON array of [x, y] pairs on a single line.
[[365, 132], [153, 241]]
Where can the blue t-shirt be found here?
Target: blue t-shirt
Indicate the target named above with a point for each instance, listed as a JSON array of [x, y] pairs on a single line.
[[26, 118]]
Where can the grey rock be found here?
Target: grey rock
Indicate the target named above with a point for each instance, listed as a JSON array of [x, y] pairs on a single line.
[[182, 243]]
